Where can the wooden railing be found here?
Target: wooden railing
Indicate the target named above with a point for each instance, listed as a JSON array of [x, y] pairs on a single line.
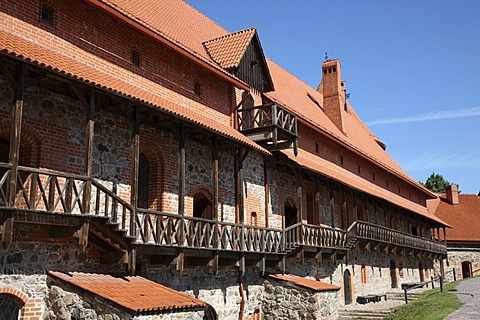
[[369, 231], [302, 234], [62, 193], [267, 115], [174, 230], [42, 190]]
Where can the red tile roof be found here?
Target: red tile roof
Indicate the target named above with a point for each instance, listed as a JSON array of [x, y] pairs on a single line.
[[324, 167], [293, 94], [107, 76], [228, 50], [136, 294], [305, 282], [463, 217]]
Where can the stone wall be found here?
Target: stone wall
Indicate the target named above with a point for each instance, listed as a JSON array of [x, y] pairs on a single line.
[[283, 301], [455, 258]]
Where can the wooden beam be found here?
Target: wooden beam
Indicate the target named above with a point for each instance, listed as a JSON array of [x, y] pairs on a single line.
[[318, 200], [83, 235], [267, 190], [89, 138], [332, 203], [135, 163], [132, 260], [240, 205], [15, 134], [299, 181]]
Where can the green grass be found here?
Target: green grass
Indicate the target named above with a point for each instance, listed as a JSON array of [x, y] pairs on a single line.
[[431, 305]]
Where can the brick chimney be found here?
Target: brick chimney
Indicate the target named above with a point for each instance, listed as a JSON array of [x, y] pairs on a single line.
[[333, 90], [452, 194]]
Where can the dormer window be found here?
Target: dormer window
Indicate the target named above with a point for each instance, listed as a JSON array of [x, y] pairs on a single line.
[[46, 14]]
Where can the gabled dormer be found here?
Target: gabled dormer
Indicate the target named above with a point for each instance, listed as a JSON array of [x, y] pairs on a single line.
[[242, 55]]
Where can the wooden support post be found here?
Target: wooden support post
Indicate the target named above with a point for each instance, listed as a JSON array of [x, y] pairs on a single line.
[[241, 155], [318, 200], [135, 164], [181, 137], [83, 235], [355, 206], [15, 134], [345, 223], [132, 259], [299, 180], [332, 204], [445, 235], [214, 262], [89, 136], [267, 190]]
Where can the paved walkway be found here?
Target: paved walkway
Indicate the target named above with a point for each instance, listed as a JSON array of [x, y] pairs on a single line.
[[468, 292]]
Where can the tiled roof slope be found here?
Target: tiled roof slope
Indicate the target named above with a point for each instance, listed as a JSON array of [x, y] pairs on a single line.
[[177, 20], [305, 282], [322, 166], [464, 217], [56, 54], [293, 93], [228, 50], [136, 294]]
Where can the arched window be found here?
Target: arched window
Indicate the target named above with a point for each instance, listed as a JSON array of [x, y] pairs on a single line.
[[9, 307], [143, 181], [202, 206]]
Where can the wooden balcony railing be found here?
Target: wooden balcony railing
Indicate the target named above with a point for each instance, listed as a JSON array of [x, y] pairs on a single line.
[[269, 125], [369, 231], [309, 235], [42, 190]]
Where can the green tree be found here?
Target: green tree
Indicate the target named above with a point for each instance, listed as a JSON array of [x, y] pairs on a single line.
[[436, 183]]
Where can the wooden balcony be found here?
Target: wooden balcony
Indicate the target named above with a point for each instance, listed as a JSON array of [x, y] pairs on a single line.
[[394, 238], [55, 198], [270, 125]]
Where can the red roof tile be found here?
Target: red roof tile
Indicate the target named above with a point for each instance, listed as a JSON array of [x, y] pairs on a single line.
[[464, 217], [324, 167], [228, 50], [305, 282], [136, 294], [108, 76], [293, 94]]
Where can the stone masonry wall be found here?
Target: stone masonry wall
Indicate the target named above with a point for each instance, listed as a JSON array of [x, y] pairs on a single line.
[[286, 301]]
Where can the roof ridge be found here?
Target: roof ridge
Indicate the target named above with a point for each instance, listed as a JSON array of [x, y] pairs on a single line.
[[230, 34], [204, 15]]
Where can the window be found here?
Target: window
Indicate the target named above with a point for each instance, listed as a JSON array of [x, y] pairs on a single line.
[[341, 160], [363, 273], [197, 89], [359, 169], [317, 149], [46, 14], [135, 59]]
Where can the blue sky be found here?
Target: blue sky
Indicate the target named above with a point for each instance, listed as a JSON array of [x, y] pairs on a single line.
[[412, 69]]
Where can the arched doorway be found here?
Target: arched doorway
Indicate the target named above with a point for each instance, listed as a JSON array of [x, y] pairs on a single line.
[[248, 113], [347, 287], [420, 271], [143, 181], [202, 206], [466, 269], [10, 310], [393, 274], [290, 215]]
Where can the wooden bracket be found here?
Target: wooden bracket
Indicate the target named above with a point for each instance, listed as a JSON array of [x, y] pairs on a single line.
[[261, 265], [213, 263], [319, 258], [83, 235], [132, 260], [180, 262]]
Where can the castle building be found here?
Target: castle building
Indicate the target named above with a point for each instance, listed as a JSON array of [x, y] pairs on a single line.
[[154, 165], [461, 212]]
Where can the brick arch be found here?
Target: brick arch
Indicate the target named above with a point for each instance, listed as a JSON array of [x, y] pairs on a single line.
[[13, 294], [155, 158], [30, 142], [204, 190]]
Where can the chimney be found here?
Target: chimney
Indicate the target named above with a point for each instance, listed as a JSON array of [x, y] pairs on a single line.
[[452, 194], [333, 90]]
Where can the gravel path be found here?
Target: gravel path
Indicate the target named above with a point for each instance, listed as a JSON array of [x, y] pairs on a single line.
[[468, 292]]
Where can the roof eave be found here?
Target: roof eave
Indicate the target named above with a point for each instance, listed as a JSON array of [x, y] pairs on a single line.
[[168, 43]]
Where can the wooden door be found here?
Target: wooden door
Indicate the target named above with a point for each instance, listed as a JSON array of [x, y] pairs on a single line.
[[347, 287]]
